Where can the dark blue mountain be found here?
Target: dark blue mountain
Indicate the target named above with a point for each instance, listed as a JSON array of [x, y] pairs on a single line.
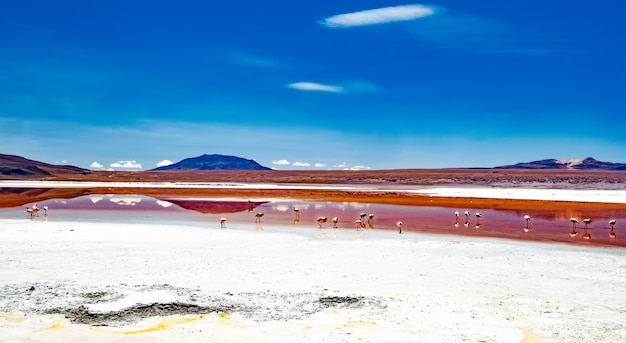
[[214, 162]]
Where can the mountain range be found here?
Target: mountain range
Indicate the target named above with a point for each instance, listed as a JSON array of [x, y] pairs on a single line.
[[586, 164], [20, 167], [16, 167]]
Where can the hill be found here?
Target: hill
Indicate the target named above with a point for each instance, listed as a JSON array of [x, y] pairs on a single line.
[[12, 166], [214, 162], [586, 164]]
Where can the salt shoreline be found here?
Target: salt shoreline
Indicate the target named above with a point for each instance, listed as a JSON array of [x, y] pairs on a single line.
[[288, 285], [617, 196]]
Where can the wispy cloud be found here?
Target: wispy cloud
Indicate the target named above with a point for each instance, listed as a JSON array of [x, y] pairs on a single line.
[[164, 163], [320, 165], [379, 16], [318, 87], [301, 164], [126, 165], [255, 61]]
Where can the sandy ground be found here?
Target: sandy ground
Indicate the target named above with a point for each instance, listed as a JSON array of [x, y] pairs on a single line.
[[114, 282]]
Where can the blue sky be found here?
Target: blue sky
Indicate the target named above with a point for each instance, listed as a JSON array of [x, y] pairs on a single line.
[[312, 85]]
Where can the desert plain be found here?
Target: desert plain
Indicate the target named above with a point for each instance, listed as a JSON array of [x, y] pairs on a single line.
[[155, 265]]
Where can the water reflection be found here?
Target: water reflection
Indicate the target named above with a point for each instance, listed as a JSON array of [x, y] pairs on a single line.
[[547, 224]]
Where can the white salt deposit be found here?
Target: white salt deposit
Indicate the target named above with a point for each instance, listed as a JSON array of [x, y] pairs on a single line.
[[580, 195], [396, 288]]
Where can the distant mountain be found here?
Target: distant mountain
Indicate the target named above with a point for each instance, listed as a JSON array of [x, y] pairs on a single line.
[[214, 162], [586, 164], [12, 166]]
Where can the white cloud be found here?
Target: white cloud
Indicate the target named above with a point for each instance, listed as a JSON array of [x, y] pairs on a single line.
[[164, 163], [320, 165], [360, 167], [281, 162], [342, 165], [126, 164], [96, 165], [312, 86], [378, 16], [301, 164]]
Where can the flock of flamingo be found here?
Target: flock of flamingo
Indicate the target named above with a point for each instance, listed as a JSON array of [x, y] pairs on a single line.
[[32, 212], [360, 223], [587, 221]]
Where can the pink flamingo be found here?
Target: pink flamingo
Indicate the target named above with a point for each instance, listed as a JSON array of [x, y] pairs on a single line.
[[612, 233], [359, 225], [321, 221]]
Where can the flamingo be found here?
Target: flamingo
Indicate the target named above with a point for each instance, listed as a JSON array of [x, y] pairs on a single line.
[[612, 233], [29, 212], [258, 217], [399, 225], [35, 210], [362, 215], [359, 225], [45, 210], [586, 235], [223, 222], [478, 220], [370, 219], [456, 219], [321, 221], [335, 221], [527, 219], [574, 232], [466, 218], [297, 212]]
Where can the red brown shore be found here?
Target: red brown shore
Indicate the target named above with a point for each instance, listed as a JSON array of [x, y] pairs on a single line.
[[549, 179]]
